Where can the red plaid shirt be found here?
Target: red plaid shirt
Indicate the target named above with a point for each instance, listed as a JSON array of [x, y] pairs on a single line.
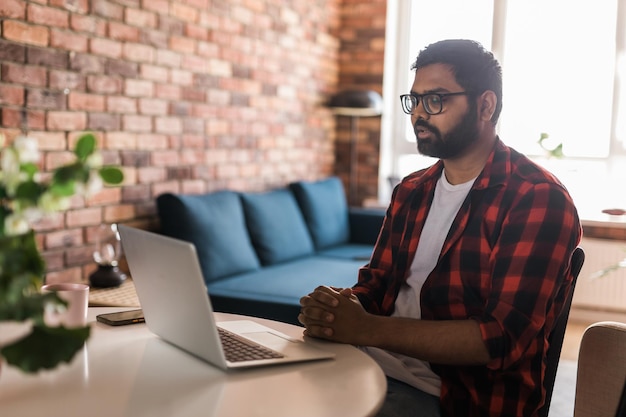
[[500, 265]]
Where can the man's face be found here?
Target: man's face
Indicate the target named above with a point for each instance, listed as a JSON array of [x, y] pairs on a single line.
[[448, 134]]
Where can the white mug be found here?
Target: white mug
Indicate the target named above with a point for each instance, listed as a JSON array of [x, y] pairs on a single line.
[[75, 314]]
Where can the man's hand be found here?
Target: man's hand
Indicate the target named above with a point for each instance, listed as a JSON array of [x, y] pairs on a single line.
[[334, 314]]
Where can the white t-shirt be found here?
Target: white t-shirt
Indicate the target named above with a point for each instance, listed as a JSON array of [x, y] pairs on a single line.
[[446, 203]]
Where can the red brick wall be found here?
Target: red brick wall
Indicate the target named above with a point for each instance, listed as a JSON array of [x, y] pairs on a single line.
[[361, 62], [187, 96]]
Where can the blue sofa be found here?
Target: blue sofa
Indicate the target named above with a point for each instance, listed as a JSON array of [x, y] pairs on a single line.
[[261, 252]]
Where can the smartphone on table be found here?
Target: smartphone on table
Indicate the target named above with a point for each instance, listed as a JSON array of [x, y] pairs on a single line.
[[121, 318]]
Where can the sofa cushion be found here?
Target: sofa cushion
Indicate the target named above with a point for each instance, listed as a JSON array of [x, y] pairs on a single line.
[[288, 282], [276, 226], [215, 224], [325, 209]]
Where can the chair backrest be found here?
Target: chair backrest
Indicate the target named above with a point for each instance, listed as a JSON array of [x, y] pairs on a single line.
[[601, 370], [558, 332]]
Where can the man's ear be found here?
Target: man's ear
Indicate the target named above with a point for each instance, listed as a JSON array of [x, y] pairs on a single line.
[[487, 105]]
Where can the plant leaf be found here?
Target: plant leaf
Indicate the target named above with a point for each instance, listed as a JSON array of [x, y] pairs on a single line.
[[45, 347], [111, 175], [85, 146]]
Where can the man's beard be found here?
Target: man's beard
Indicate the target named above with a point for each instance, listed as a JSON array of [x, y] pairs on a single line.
[[464, 134]]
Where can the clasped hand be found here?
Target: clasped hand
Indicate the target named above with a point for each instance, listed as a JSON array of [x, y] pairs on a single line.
[[334, 314]]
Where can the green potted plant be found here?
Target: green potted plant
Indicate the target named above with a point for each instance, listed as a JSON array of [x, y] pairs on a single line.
[[26, 196]]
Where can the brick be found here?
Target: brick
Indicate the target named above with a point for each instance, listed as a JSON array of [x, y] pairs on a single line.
[[119, 213], [165, 158], [63, 238], [152, 141], [84, 217], [76, 6], [38, 98], [50, 141], [168, 125], [87, 102], [138, 88], [193, 187], [48, 16], [135, 193], [181, 77], [167, 91], [105, 47], [135, 123], [154, 38], [153, 107], [68, 40], [181, 108], [159, 6], [208, 49], [182, 44], [12, 9], [104, 84], [67, 275], [122, 32], [47, 57], [60, 80], [120, 140], [198, 32], [183, 12], [153, 73], [54, 260], [103, 121], [135, 158], [12, 118], [20, 74], [193, 94], [106, 196], [88, 24], [108, 9], [66, 120], [168, 58], [136, 4], [140, 18], [138, 52], [21, 32], [119, 104], [85, 64], [191, 125], [11, 95], [170, 25], [54, 160], [123, 69], [12, 52], [148, 175]]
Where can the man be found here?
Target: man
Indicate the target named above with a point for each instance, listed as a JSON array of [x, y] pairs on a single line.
[[465, 281]]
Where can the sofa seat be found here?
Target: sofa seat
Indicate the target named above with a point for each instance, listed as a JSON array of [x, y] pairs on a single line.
[[261, 252]]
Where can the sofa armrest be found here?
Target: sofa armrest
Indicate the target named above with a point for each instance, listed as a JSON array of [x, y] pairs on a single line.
[[365, 224]]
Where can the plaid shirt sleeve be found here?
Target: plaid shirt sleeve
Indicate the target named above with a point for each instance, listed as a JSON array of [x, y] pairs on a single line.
[[505, 264]]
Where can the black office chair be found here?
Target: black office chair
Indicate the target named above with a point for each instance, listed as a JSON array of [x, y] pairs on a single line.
[[558, 332]]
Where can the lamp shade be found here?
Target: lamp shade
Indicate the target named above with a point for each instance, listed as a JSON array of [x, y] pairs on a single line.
[[357, 103]]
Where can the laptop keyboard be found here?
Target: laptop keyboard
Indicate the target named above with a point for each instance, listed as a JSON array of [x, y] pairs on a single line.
[[238, 350]]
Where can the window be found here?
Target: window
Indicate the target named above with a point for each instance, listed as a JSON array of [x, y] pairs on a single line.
[[563, 67]]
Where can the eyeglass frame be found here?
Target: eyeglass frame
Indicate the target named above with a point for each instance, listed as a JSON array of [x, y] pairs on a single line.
[[420, 98]]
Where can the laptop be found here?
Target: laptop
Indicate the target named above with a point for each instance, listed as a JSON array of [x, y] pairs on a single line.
[[177, 308]]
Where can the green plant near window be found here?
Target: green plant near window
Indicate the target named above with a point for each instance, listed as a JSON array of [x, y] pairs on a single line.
[[27, 196], [556, 152]]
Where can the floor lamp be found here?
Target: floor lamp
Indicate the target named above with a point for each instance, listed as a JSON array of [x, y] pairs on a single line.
[[355, 104]]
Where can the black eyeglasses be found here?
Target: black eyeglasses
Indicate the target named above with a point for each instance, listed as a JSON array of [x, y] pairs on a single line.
[[432, 102]]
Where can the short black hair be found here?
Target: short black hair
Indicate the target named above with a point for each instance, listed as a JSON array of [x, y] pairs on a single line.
[[474, 67]]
